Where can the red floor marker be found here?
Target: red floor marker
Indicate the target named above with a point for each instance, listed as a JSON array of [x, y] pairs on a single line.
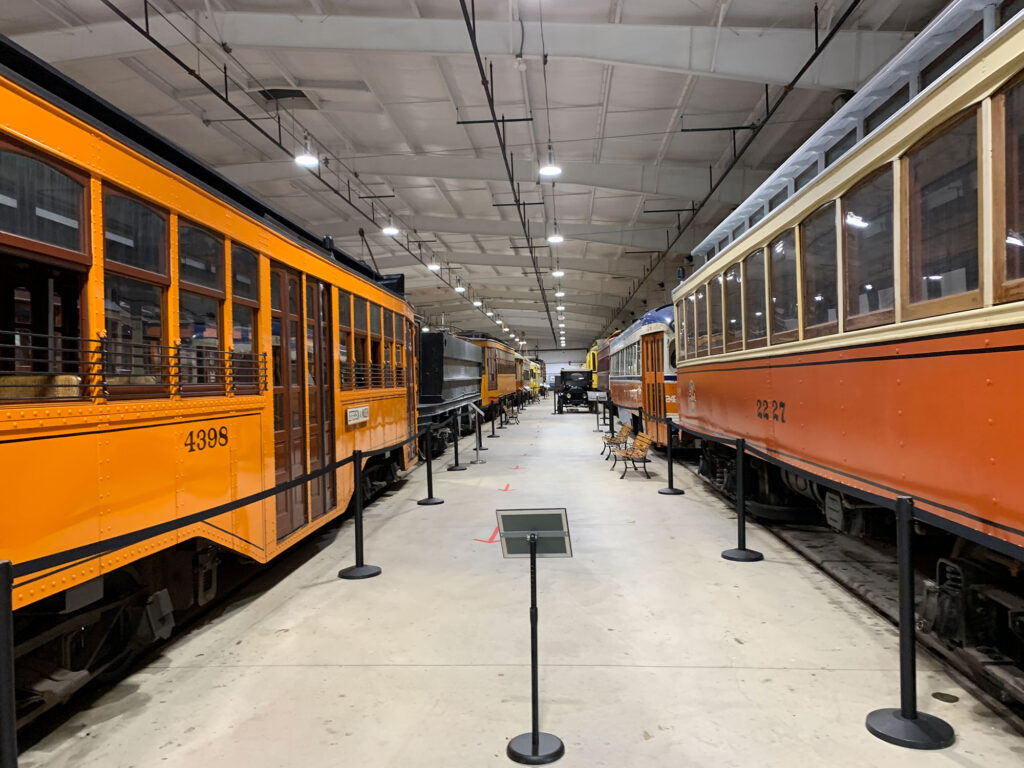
[[516, 467], [492, 540], [506, 488]]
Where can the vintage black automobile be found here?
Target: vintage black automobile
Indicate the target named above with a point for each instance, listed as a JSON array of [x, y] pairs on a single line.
[[575, 384]]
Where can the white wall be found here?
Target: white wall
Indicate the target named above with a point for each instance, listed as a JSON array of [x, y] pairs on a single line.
[[558, 359]]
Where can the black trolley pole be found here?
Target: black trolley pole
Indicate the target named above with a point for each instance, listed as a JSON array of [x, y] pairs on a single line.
[[456, 430], [534, 748], [741, 554], [671, 490], [906, 727], [8, 711], [360, 570], [431, 499]]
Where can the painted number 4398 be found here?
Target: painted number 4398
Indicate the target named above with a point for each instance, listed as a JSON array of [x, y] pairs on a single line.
[[202, 439]]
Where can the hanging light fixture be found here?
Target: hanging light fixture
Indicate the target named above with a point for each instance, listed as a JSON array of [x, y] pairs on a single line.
[[554, 239], [305, 158], [477, 303], [559, 293], [434, 265], [459, 287], [560, 308], [557, 273], [549, 170], [390, 230], [489, 313]]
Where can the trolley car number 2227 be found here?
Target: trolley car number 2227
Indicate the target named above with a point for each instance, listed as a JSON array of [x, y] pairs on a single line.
[[771, 410], [201, 439]]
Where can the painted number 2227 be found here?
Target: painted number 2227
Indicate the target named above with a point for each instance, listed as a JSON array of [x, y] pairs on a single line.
[[771, 410], [201, 439]]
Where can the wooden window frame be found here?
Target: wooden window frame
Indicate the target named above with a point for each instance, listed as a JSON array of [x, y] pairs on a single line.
[[961, 301], [138, 273], [758, 343], [792, 334], [27, 244], [1003, 290], [221, 296], [880, 316], [829, 327], [719, 347], [733, 346]]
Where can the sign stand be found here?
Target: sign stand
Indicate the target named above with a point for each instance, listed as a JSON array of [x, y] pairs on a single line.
[[534, 533]]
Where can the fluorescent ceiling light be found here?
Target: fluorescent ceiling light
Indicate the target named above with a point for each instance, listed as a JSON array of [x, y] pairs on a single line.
[[390, 230], [557, 272], [478, 303], [554, 238], [489, 313], [559, 294], [560, 308]]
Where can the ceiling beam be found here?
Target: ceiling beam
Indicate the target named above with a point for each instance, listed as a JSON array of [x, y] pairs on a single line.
[[682, 182], [768, 55]]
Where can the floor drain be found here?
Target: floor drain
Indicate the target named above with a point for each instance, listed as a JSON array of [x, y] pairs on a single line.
[[949, 698]]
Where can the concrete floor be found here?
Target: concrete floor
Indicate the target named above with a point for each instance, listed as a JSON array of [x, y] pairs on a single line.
[[654, 651]]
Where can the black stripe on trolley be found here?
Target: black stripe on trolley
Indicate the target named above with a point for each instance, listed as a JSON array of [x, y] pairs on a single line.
[[773, 455], [125, 429]]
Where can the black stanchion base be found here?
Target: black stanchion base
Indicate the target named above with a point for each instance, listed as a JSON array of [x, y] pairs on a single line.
[[481, 448], [456, 468], [549, 749], [923, 732], [671, 491], [477, 461], [359, 572], [743, 555], [430, 501], [494, 435]]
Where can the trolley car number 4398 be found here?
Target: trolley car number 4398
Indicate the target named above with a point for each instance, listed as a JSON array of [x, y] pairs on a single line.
[[201, 439], [771, 410]]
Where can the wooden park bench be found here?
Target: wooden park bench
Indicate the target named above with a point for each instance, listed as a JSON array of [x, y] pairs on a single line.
[[616, 441], [510, 416], [637, 452]]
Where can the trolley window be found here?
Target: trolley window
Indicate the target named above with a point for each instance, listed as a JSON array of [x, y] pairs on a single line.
[[245, 292], [715, 314], [943, 217], [38, 202], [346, 374], [733, 308], [701, 324], [785, 325], [1012, 245], [134, 234], [360, 352], [821, 298], [202, 366], [868, 252], [755, 321], [688, 308]]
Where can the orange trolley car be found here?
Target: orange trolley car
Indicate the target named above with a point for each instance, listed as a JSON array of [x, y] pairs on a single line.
[[861, 325], [168, 346]]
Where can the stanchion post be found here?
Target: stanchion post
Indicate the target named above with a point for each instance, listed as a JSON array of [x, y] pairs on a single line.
[[671, 490], [741, 554], [8, 702], [492, 428], [611, 418], [479, 432], [360, 570], [476, 446], [906, 727], [597, 416], [431, 499], [456, 429]]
